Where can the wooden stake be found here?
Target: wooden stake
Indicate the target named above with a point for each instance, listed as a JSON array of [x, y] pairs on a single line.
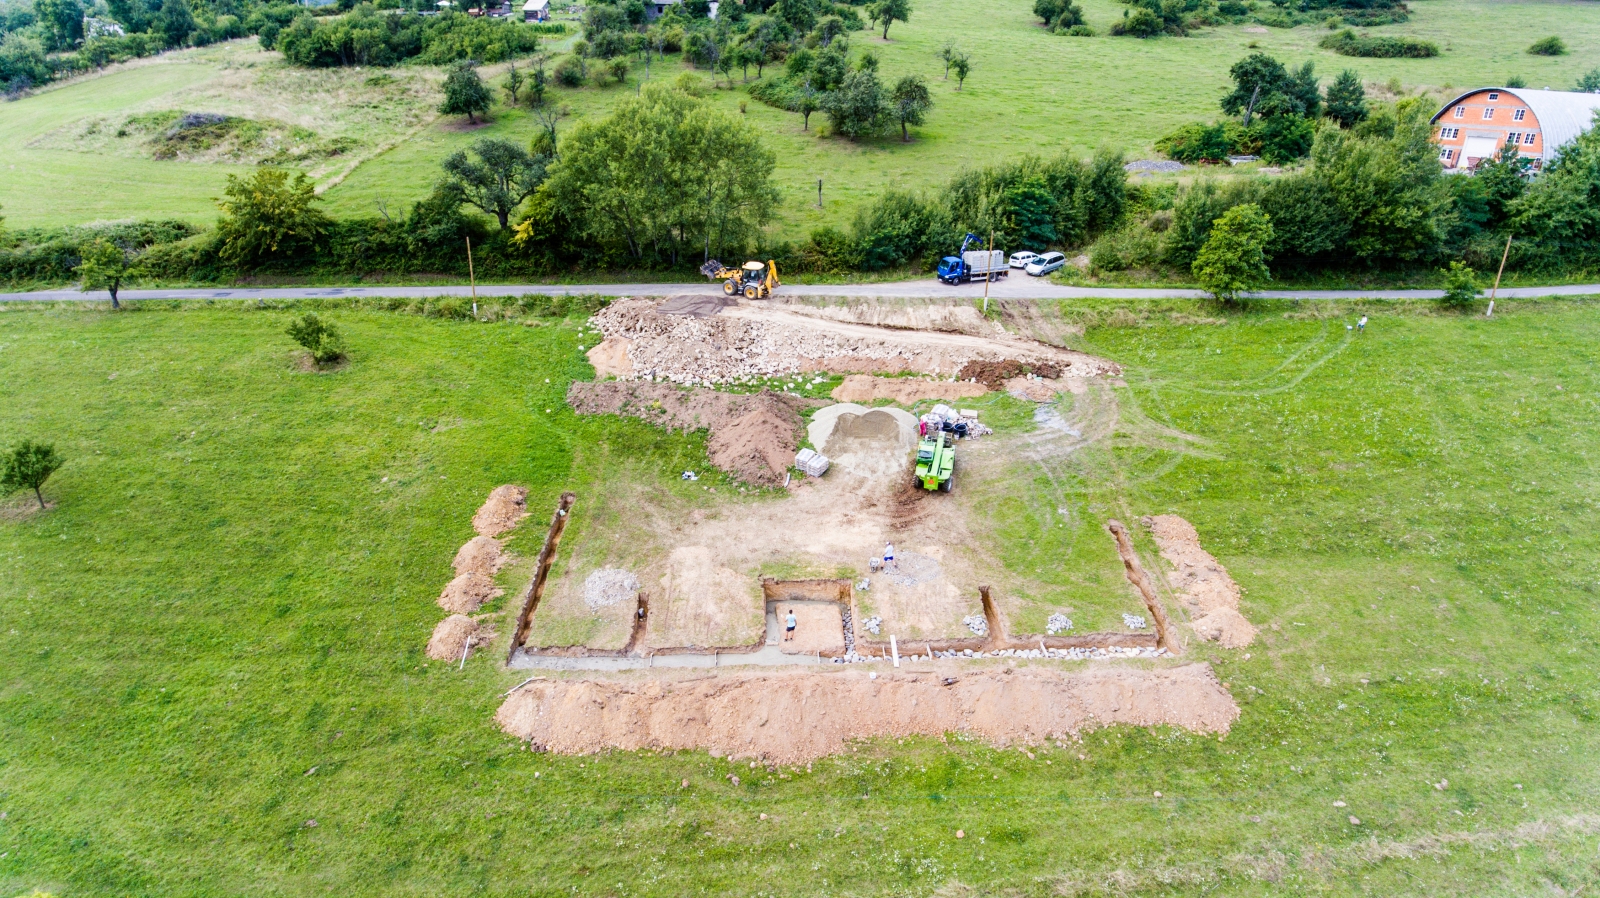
[[1493, 292], [471, 277]]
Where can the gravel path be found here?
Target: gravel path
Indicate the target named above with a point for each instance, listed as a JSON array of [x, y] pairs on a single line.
[[1018, 287]]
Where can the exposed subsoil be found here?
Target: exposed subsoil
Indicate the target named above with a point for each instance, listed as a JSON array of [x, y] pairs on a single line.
[[795, 717], [480, 555], [452, 636], [502, 511], [1201, 582], [753, 436], [467, 593], [904, 390], [763, 339]]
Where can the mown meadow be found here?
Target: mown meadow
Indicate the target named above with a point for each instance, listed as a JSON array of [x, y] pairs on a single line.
[[213, 682]]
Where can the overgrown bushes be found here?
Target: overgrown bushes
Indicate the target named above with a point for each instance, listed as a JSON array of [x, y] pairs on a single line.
[[1348, 43], [369, 37]]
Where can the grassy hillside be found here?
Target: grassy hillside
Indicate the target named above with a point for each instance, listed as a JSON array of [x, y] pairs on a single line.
[[213, 680], [1030, 91]]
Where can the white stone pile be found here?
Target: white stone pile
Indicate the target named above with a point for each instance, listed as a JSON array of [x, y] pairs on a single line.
[[977, 623], [1134, 621], [1096, 653], [1057, 623]]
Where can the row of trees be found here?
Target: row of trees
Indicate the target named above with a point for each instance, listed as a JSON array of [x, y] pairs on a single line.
[[367, 36]]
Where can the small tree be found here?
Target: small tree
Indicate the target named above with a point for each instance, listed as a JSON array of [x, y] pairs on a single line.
[[1460, 286], [947, 55], [513, 83], [961, 65], [910, 102], [538, 84], [268, 216], [105, 266], [1589, 83], [1233, 258], [28, 466], [618, 69], [857, 109], [465, 93], [319, 338], [888, 12], [1347, 100], [502, 177], [806, 104]]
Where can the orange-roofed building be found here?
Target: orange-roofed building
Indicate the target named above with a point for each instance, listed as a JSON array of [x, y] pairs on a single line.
[[1474, 126]]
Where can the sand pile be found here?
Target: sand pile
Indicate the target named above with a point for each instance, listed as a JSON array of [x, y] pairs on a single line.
[[753, 436], [994, 374], [480, 555], [904, 390], [794, 717], [758, 446], [467, 593], [452, 637], [506, 506], [1202, 584], [762, 340], [874, 443]]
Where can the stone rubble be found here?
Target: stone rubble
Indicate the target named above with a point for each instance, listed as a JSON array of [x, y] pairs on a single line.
[[1134, 621], [1056, 623], [977, 624]]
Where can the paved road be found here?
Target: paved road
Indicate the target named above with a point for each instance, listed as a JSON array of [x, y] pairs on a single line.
[[1020, 287]]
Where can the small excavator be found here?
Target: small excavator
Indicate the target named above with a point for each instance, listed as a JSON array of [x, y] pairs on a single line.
[[754, 280]]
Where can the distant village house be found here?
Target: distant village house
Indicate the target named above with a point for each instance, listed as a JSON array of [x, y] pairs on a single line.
[[536, 11], [1474, 126]]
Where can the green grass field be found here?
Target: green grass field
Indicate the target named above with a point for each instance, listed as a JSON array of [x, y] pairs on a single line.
[[1030, 92], [213, 681]]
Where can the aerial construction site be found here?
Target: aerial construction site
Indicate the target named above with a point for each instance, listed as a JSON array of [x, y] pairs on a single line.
[[907, 521]]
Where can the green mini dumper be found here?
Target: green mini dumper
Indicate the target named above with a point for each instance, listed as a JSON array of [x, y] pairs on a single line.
[[936, 461]]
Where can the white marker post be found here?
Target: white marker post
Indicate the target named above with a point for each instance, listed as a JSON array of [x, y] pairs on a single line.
[[894, 648]]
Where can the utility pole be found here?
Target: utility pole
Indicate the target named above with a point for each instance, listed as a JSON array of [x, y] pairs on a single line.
[[1493, 292], [988, 274], [472, 278]]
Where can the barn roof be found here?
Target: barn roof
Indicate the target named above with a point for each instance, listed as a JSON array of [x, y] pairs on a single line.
[[1562, 114]]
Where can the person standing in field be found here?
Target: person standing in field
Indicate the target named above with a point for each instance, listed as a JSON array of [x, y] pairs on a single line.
[[789, 623], [1361, 326], [888, 556]]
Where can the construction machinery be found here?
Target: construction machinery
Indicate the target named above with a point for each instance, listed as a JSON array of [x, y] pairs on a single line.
[[754, 280], [966, 266], [936, 461]]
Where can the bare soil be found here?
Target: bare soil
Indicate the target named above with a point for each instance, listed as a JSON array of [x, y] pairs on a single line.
[[903, 390], [765, 339], [467, 593], [994, 374], [955, 317], [791, 717], [819, 627], [503, 510], [753, 436], [480, 555], [1201, 583]]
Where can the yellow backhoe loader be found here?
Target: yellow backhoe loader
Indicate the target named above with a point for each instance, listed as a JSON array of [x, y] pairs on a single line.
[[754, 279]]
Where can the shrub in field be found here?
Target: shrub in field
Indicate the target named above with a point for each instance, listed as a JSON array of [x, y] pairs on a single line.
[[1197, 142], [1460, 286], [858, 108], [318, 337], [1347, 99], [1233, 259], [1059, 15], [893, 230], [569, 72], [1589, 83], [28, 466], [1139, 23], [369, 37], [1348, 43], [1285, 138], [1549, 46]]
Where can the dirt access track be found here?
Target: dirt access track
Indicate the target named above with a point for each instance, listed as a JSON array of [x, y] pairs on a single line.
[[795, 717], [714, 342]]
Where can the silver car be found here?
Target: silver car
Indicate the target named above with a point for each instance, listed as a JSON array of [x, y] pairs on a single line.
[[1043, 265], [1021, 260]]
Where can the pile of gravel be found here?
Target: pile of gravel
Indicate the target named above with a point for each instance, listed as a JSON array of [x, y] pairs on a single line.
[[1134, 621], [609, 586], [977, 624], [873, 625], [1153, 165], [1057, 623], [911, 569]]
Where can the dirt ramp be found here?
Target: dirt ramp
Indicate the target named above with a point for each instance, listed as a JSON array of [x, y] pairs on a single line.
[[1201, 582], [794, 717]]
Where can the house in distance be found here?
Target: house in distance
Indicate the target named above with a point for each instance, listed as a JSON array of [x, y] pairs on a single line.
[[1474, 126]]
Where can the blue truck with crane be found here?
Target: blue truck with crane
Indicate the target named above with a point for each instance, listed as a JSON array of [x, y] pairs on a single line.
[[965, 266]]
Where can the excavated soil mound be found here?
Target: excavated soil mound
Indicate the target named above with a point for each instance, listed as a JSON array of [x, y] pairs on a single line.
[[753, 436], [794, 717], [995, 374], [506, 506], [610, 357], [760, 444], [904, 390], [481, 555], [452, 637], [466, 593], [1202, 584]]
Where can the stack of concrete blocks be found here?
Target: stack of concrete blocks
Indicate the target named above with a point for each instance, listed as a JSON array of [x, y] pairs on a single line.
[[811, 462]]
